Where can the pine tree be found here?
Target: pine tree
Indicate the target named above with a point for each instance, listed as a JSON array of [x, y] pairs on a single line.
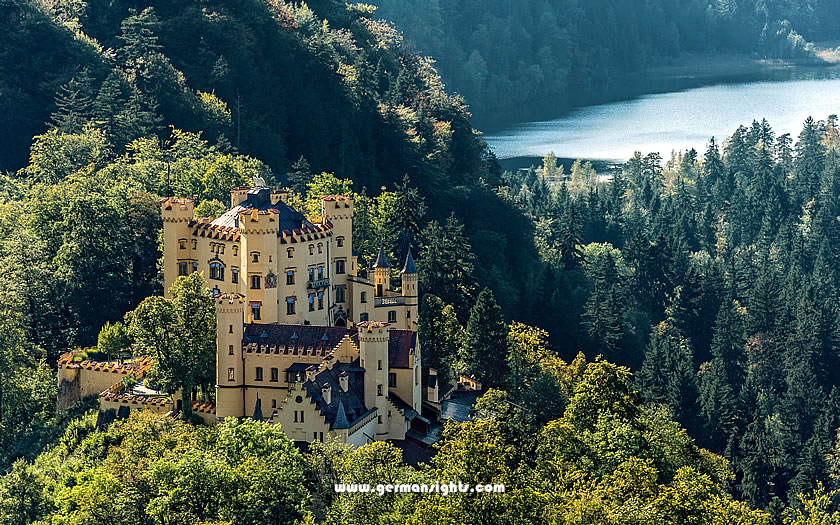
[[667, 373], [108, 102], [445, 264], [409, 210], [300, 176], [485, 346], [73, 104], [603, 315], [138, 35], [440, 336]]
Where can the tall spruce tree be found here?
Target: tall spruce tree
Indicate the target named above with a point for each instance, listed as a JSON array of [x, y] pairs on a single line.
[[485, 348]]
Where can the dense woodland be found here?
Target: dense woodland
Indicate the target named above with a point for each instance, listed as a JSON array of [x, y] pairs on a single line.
[[621, 325], [504, 53]]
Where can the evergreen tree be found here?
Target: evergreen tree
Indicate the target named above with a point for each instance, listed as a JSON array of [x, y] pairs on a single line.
[[446, 263], [440, 337], [139, 36], [603, 315], [485, 347], [300, 176], [73, 104], [667, 373]]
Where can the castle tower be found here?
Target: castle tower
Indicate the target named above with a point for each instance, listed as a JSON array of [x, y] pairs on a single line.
[[178, 256], [373, 349], [382, 274], [337, 211], [230, 365], [261, 274], [409, 291]]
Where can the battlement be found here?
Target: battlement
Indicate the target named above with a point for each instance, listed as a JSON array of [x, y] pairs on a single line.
[[176, 209]]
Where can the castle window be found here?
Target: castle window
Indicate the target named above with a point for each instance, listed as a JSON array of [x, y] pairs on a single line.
[[217, 271], [255, 311], [231, 375], [273, 403], [195, 267], [259, 376], [379, 419], [339, 294], [182, 244], [392, 316], [320, 272], [255, 256], [194, 244], [339, 241], [339, 266], [235, 250], [408, 314], [255, 282], [378, 390], [275, 376], [320, 248], [296, 416], [312, 274], [290, 252], [320, 300], [301, 416], [311, 249], [230, 329], [311, 302], [230, 349], [290, 306], [363, 297], [379, 364], [363, 317], [182, 268], [392, 380], [290, 277], [234, 274]]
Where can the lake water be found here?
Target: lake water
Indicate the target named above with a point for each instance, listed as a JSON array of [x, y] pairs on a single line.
[[672, 121]]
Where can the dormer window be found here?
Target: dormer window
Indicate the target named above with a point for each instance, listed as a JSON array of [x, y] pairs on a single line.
[[339, 241]]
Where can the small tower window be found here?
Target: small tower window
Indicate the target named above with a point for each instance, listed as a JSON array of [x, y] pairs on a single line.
[[231, 375], [234, 274], [339, 266], [290, 252], [339, 294], [320, 300], [182, 244], [290, 306], [290, 277], [255, 282], [259, 376], [194, 267], [378, 390], [194, 244], [230, 349], [339, 241], [320, 248], [255, 311], [275, 376], [320, 272], [363, 297], [392, 380], [311, 249], [255, 256], [235, 250], [392, 316], [311, 302], [312, 274]]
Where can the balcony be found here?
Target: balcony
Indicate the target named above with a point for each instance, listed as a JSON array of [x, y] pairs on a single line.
[[318, 283], [397, 300]]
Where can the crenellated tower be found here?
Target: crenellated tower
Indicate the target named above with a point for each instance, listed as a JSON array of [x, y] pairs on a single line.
[[409, 291], [178, 256], [373, 350], [230, 367]]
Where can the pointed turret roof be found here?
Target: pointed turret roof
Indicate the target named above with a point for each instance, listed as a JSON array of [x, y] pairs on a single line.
[[258, 410], [341, 417], [409, 267], [381, 259]]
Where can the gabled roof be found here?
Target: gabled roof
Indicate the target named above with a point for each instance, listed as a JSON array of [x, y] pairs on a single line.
[[381, 259], [345, 408], [409, 266]]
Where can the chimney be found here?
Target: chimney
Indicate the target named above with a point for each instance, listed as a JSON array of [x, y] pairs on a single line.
[[326, 393], [310, 373], [343, 381], [298, 381]]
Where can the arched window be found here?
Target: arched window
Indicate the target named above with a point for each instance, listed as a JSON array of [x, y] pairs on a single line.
[[255, 256], [217, 271], [311, 249], [290, 252], [320, 247]]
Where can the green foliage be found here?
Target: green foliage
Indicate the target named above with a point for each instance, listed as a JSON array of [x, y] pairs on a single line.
[[180, 334], [485, 346], [113, 339]]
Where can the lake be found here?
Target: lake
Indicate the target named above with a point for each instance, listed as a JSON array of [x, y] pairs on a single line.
[[673, 121]]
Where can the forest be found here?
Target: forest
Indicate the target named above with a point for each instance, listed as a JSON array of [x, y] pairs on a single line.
[[660, 346], [502, 54]]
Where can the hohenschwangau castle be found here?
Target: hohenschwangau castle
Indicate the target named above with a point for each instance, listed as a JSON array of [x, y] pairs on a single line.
[[302, 340]]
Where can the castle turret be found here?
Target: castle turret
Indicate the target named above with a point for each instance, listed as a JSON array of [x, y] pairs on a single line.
[[409, 291], [178, 256], [337, 214], [382, 273], [373, 349], [230, 366]]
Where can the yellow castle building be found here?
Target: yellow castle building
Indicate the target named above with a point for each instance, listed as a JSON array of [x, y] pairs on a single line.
[[302, 340]]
